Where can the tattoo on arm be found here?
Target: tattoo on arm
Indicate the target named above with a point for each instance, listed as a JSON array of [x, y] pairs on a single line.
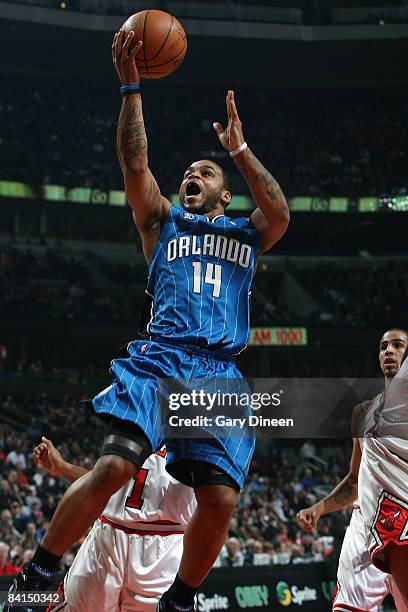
[[344, 493], [271, 185], [263, 180], [131, 137]]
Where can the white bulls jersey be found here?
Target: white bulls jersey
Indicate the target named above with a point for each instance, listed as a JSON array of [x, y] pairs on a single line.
[[132, 553], [383, 476], [393, 419], [360, 585], [153, 500]]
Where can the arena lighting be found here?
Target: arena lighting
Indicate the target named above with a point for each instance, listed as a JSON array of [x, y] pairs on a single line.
[[116, 197], [395, 204]]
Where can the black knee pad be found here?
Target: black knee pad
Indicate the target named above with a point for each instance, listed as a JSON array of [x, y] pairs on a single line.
[[198, 473], [126, 440]]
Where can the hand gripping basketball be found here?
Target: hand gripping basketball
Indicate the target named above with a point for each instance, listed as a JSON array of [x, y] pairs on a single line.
[[124, 55], [232, 136]]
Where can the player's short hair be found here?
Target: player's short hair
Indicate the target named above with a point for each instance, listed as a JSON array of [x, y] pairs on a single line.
[[227, 180], [404, 331], [399, 329]]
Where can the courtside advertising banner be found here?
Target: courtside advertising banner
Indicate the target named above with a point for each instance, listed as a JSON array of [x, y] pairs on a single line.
[[279, 587]]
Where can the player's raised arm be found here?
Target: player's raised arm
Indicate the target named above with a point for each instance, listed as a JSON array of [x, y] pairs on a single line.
[[49, 458], [271, 218], [149, 207]]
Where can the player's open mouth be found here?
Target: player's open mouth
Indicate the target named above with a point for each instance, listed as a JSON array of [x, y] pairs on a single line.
[[193, 188], [390, 362]]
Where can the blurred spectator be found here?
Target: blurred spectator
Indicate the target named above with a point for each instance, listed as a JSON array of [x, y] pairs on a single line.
[[231, 554], [27, 556], [20, 520], [6, 567], [5, 494], [30, 539], [282, 554], [7, 530], [16, 457], [307, 479]]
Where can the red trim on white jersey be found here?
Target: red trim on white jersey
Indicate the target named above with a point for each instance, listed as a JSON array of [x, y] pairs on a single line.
[[341, 607], [141, 532], [164, 522], [346, 608]]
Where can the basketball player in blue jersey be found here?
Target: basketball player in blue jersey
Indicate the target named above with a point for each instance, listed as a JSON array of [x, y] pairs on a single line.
[[201, 265]]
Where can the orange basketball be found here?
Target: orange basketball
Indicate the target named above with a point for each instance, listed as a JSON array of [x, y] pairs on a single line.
[[164, 42]]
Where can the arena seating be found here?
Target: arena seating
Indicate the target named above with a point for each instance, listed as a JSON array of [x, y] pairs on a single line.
[[361, 152]]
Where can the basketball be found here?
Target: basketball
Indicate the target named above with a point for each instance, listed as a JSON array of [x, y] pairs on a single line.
[[164, 42]]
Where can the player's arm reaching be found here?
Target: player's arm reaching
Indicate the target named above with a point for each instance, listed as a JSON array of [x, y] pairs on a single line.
[[346, 491], [49, 458], [148, 205], [271, 217], [342, 496]]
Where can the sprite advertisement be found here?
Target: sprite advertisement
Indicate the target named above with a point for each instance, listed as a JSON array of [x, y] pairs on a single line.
[[273, 587]]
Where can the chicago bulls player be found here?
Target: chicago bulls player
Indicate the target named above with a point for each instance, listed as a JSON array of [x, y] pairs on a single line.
[[360, 585], [383, 478], [132, 553]]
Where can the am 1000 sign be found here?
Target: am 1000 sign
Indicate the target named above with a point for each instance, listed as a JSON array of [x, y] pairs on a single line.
[[278, 336]]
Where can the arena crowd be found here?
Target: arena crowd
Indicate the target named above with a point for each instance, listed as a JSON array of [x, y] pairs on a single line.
[[69, 137], [88, 287]]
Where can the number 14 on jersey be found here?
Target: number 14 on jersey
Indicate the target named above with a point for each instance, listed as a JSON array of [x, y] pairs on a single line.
[[212, 276]]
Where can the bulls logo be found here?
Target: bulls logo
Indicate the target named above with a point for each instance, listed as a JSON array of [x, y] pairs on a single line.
[[390, 523]]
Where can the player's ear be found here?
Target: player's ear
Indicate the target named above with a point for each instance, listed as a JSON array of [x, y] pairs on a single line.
[[226, 197]]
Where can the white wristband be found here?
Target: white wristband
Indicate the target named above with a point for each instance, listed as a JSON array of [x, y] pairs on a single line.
[[240, 148]]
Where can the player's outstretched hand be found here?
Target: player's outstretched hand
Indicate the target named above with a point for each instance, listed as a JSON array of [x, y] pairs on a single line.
[[124, 55], [45, 455], [231, 137], [308, 518]]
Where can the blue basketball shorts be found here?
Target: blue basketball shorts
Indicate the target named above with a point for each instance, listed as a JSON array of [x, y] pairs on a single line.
[[133, 396]]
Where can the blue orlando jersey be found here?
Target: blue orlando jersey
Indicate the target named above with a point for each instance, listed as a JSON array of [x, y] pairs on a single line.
[[200, 276]]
